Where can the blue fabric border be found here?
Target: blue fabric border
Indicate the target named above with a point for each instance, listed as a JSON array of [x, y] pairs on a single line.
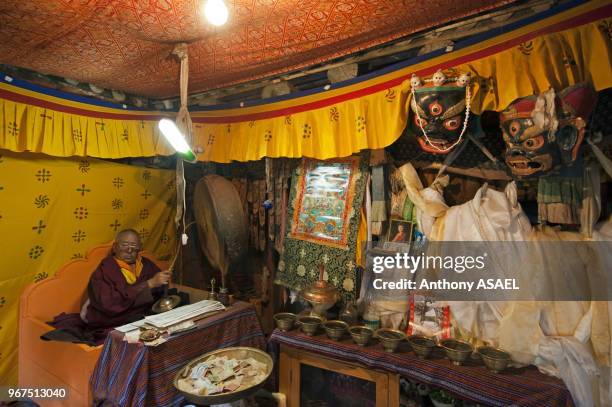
[[64, 95]]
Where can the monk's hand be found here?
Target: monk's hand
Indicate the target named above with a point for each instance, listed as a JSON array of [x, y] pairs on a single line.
[[159, 279]]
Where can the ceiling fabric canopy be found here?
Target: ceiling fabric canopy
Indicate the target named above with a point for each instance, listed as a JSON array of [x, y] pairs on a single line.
[[126, 45]]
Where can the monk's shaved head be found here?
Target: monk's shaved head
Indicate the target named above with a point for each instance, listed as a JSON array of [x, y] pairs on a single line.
[[126, 232]]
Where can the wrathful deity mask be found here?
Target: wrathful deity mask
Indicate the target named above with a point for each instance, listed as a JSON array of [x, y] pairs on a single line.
[[441, 110], [543, 133]]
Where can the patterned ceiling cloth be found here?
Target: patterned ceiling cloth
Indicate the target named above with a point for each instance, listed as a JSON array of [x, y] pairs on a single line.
[[126, 44]]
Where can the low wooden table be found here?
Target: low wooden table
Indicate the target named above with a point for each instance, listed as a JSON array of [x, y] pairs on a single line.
[[517, 387], [132, 374]]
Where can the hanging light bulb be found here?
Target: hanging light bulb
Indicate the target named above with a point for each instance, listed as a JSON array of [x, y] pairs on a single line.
[[216, 12], [176, 139]]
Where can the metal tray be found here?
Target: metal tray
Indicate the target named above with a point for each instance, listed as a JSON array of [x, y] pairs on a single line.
[[231, 353]]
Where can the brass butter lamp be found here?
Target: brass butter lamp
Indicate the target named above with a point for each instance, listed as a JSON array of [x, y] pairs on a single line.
[[320, 295]]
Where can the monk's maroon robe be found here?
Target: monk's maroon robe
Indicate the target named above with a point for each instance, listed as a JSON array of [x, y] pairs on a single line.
[[114, 302]]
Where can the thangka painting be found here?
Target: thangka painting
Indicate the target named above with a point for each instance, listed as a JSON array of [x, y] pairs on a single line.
[[324, 199], [322, 191]]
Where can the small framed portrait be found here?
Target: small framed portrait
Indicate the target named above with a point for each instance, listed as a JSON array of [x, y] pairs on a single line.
[[399, 235]]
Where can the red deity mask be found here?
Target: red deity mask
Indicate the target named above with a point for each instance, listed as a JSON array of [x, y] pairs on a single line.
[[544, 133]]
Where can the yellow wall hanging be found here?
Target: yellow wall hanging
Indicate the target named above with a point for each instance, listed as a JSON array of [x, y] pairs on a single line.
[[54, 210]]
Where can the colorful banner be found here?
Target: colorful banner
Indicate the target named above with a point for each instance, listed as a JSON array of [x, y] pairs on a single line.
[[54, 210], [567, 44]]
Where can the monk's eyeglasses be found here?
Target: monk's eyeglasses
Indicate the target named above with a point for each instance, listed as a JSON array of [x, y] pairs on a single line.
[[124, 245]]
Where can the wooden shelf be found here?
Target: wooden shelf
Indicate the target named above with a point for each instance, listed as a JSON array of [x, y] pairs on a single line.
[[387, 384]]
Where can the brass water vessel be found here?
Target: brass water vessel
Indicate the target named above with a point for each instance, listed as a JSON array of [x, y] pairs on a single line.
[[321, 295]]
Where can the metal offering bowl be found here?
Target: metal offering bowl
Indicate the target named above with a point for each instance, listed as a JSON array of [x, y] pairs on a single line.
[[335, 329], [495, 359], [231, 353], [457, 351], [285, 320], [421, 345], [310, 324], [390, 338], [361, 334]]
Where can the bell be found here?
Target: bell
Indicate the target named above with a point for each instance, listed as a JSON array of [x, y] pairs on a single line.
[[321, 295], [212, 295]]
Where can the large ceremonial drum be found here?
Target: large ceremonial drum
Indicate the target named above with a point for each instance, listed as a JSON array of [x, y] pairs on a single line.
[[222, 223]]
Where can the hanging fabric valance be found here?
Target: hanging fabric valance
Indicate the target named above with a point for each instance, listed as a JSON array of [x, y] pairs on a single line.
[[557, 48], [46, 121]]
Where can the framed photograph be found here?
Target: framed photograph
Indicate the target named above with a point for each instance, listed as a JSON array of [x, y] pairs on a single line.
[[399, 235], [427, 317]]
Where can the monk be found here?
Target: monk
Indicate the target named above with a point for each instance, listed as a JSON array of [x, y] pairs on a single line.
[[124, 286], [122, 289]]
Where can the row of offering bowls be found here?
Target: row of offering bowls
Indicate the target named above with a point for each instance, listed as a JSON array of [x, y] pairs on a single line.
[[456, 350]]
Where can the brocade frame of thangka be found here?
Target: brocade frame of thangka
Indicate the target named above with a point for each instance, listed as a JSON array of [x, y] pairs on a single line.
[[301, 259], [322, 205]]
